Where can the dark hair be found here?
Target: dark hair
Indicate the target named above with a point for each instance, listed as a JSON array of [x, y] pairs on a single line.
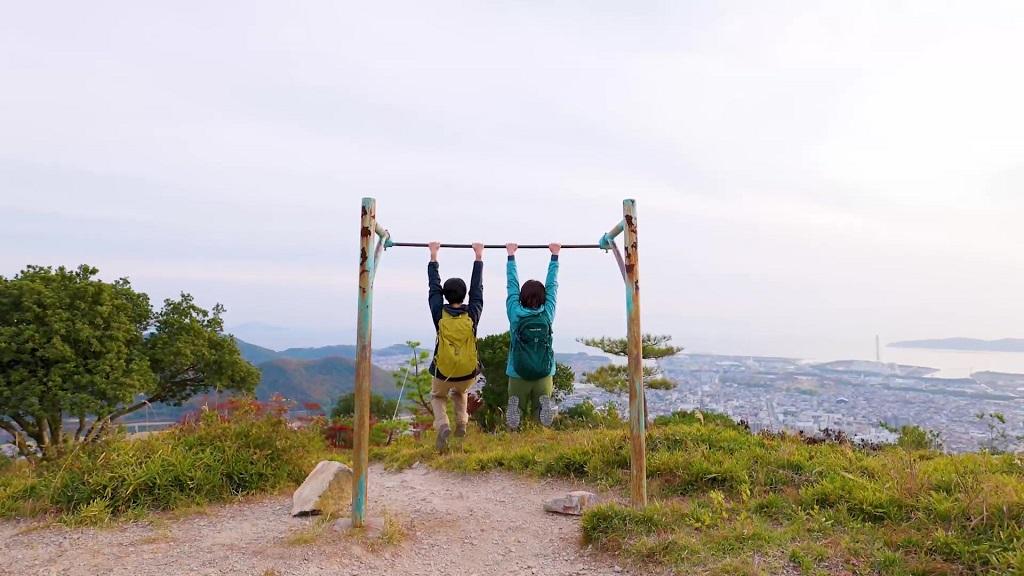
[[454, 290], [533, 294]]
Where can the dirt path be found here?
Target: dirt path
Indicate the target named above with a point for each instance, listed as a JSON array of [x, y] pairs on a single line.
[[454, 525]]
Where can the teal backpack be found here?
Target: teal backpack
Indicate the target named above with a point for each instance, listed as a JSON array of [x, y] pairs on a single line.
[[533, 357]]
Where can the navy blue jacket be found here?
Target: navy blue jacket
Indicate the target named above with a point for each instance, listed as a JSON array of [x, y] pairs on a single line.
[[475, 306]]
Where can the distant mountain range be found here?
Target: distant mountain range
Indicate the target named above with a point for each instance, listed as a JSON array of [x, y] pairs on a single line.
[[322, 374], [317, 375], [321, 380], [259, 354], [965, 344]]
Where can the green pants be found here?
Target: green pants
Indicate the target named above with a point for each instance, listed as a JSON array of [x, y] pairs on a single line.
[[529, 393]]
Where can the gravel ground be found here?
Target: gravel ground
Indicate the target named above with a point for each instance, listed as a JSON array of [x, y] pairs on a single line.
[[458, 525]]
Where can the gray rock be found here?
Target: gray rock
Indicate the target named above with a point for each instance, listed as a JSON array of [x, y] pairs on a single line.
[[326, 489], [573, 503]]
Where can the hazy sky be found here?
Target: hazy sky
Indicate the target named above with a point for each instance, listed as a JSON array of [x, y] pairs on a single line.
[[807, 175]]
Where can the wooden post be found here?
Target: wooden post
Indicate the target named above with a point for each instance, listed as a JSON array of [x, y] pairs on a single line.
[[637, 417], [361, 431]]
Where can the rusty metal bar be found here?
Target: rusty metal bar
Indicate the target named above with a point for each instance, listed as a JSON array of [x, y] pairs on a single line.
[[521, 246], [382, 244], [637, 417], [618, 260], [361, 431]]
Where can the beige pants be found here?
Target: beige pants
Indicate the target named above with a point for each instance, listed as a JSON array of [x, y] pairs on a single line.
[[439, 392]]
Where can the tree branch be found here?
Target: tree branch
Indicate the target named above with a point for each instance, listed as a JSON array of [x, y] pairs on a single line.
[[129, 409], [19, 438], [32, 431], [81, 427], [6, 426], [102, 423], [56, 420], [44, 436]]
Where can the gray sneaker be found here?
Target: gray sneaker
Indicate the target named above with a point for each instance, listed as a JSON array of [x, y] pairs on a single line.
[[442, 438], [460, 430], [513, 415], [547, 411]]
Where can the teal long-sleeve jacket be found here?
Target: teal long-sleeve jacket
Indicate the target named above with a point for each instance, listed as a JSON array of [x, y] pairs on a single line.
[[516, 311]]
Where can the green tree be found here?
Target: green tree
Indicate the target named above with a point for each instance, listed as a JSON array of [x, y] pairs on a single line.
[[911, 437], [381, 408], [74, 346], [415, 376], [493, 354], [563, 380], [614, 378]]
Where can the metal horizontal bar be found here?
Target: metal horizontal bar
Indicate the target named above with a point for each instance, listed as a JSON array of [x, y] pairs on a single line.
[[524, 246]]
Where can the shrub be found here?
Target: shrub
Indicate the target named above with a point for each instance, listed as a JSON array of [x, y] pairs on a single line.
[[587, 415], [381, 408], [211, 458], [697, 417], [338, 433], [917, 438]]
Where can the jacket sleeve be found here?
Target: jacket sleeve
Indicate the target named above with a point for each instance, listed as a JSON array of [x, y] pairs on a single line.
[[551, 288], [513, 288], [435, 297], [476, 293]]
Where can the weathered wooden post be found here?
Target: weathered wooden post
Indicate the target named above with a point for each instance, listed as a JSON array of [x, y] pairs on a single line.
[[361, 432], [637, 417]]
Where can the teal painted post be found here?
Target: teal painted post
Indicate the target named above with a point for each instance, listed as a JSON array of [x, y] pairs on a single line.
[[364, 325], [637, 417]]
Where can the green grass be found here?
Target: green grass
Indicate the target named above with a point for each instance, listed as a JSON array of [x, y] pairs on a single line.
[[212, 460], [731, 502], [311, 534]]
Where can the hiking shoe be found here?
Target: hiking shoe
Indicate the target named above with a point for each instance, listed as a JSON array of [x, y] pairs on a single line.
[[460, 431], [547, 411], [442, 438], [513, 415]]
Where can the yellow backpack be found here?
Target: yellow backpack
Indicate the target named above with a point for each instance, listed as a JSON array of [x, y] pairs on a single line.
[[456, 345]]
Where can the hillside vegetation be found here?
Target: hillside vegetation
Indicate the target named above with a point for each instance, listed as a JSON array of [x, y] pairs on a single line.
[[303, 375], [321, 381], [217, 457], [726, 501]]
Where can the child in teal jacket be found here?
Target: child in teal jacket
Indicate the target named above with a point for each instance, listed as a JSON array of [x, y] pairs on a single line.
[[533, 299]]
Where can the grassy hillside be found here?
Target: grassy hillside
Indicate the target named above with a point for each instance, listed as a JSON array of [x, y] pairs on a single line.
[[321, 381], [726, 501], [211, 459]]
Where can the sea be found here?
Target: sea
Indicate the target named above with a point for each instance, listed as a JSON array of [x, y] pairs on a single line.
[[956, 363]]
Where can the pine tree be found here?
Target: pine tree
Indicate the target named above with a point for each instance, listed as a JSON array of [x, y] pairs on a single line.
[[614, 378]]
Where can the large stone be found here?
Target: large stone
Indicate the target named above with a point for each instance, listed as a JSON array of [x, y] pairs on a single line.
[[327, 490], [573, 503]]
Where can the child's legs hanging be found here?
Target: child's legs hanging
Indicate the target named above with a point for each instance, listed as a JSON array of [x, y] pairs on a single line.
[[543, 387], [521, 390]]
